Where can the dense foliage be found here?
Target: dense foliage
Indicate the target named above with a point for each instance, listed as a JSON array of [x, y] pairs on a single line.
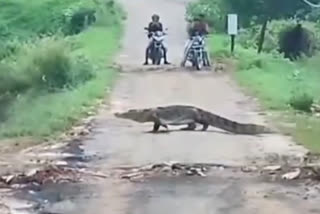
[[276, 32], [21, 20], [251, 11], [266, 9], [282, 17], [51, 57]]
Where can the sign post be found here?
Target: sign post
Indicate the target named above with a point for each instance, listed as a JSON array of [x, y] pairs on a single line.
[[232, 29]]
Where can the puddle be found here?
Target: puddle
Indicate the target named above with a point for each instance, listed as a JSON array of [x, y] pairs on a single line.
[[56, 199], [53, 198]]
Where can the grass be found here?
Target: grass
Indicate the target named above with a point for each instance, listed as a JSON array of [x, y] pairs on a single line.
[[43, 115], [274, 81], [23, 19], [40, 114]]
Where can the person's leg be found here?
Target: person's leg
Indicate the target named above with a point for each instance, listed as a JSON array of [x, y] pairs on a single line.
[[186, 46], [186, 52], [165, 51], [147, 52], [207, 56]]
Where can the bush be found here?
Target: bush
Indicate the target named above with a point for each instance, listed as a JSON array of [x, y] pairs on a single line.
[[297, 41], [5, 101], [300, 98], [78, 16], [44, 64], [22, 20], [302, 102], [109, 13], [313, 16], [85, 13], [274, 33], [47, 63], [253, 62], [82, 70], [9, 47], [37, 63], [11, 80]]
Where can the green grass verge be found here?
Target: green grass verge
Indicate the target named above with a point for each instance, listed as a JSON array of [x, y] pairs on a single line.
[[39, 115], [274, 81]]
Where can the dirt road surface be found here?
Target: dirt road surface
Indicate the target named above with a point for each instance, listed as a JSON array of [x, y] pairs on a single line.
[[123, 142], [127, 143]]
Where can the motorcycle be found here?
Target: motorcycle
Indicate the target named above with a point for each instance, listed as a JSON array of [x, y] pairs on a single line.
[[196, 54], [155, 51]]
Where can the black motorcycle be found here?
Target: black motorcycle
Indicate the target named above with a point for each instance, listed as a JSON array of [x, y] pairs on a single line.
[[196, 54], [155, 52]]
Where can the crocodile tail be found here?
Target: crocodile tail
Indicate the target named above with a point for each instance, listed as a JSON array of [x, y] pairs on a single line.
[[235, 127]]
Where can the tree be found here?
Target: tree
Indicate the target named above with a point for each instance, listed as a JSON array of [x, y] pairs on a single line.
[[262, 11], [265, 9]]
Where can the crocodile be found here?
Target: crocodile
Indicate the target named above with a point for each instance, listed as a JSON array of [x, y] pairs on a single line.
[[189, 115]]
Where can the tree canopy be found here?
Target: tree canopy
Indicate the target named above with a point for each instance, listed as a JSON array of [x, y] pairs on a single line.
[[266, 9]]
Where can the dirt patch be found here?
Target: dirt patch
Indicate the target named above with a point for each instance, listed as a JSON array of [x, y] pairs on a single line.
[[14, 145], [302, 171]]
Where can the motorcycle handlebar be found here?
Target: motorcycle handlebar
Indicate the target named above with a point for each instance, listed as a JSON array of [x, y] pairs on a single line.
[[146, 28], [205, 36], [164, 33]]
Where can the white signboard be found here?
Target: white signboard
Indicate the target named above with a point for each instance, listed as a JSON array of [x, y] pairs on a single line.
[[232, 24]]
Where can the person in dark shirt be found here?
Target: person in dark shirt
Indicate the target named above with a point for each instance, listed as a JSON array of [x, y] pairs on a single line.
[[154, 26], [198, 26]]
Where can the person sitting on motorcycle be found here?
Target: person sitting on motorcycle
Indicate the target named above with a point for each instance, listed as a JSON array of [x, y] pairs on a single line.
[[198, 26], [154, 26]]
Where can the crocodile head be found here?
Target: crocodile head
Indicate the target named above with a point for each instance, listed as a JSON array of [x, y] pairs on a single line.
[[138, 115]]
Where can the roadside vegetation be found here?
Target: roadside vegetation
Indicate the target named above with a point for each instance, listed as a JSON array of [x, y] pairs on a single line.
[[54, 57], [284, 75]]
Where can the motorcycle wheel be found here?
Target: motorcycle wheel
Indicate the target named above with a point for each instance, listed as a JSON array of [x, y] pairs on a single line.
[[198, 63], [157, 57], [152, 56], [193, 59]]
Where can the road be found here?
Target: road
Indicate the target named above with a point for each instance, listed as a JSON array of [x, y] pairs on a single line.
[[124, 142]]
